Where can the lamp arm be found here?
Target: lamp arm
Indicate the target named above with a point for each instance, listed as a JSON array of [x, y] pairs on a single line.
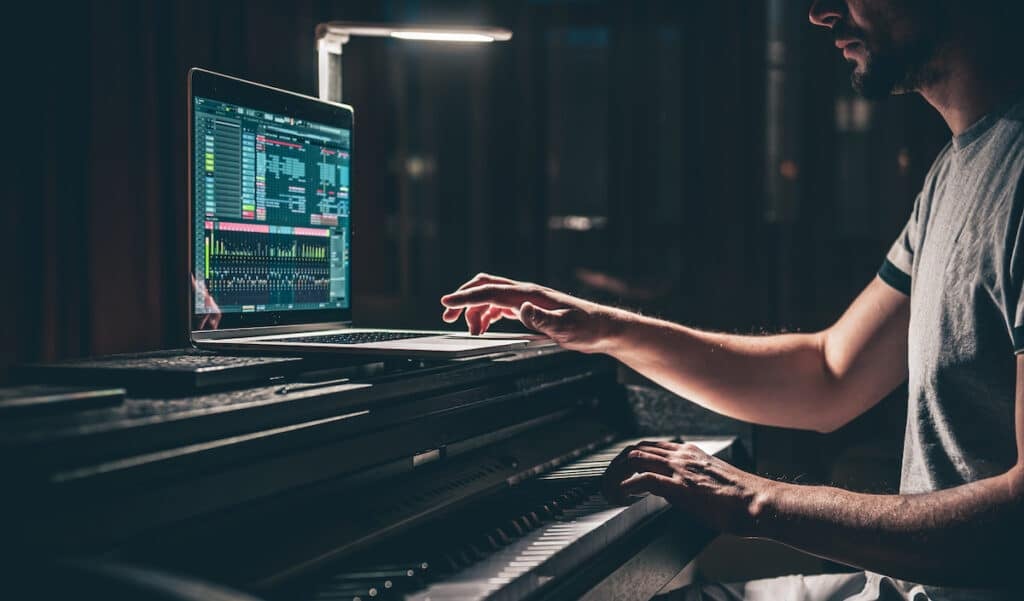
[[328, 50]]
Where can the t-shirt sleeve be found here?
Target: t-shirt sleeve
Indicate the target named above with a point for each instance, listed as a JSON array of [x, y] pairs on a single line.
[[1015, 248], [899, 262]]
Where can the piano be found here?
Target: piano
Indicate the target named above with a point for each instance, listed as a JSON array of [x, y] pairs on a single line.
[[460, 480]]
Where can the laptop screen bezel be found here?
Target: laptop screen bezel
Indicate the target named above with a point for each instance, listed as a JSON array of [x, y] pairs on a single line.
[[224, 88]]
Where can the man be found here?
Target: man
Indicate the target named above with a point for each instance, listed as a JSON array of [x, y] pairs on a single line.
[[946, 310]]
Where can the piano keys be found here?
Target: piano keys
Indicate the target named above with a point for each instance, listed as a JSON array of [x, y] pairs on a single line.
[[558, 521]]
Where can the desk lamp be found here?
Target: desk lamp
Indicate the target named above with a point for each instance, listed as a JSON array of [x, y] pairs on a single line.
[[330, 37]]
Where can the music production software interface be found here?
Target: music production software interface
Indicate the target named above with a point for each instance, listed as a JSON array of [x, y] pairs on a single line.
[[271, 210]]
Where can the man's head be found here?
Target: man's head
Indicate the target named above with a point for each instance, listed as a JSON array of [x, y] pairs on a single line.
[[896, 45]]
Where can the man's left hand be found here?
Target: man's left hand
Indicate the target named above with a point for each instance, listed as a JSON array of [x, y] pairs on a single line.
[[719, 494]]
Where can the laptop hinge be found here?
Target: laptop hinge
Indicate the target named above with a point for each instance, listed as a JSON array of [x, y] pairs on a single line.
[[269, 330]]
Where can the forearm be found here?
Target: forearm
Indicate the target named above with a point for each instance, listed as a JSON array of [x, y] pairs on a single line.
[[964, 536], [777, 380], [812, 381]]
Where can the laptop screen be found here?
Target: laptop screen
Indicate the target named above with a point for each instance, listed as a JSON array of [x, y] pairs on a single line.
[[270, 208]]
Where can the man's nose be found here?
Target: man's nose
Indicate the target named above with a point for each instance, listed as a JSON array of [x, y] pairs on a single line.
[[826, 13]]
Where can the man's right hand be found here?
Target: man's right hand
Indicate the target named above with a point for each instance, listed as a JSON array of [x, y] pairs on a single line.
[[571, 322]]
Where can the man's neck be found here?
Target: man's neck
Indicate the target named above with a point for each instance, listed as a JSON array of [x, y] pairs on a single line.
[[966, 92]]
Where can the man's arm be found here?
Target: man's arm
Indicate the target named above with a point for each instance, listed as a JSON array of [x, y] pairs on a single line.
[[815, 381], [963, 536]]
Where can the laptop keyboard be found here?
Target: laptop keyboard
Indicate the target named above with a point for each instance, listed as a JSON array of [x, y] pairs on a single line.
[[359, 337]]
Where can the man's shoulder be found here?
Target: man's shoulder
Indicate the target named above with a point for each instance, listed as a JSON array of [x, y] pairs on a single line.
[[1009, 132], [1014, 116], [1007, 151], [996, 155]]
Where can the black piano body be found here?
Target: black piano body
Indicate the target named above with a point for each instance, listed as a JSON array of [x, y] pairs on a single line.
[[473, 479]]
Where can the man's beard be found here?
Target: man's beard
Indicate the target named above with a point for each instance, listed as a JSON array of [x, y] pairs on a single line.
[[891, 68], [895, 71]]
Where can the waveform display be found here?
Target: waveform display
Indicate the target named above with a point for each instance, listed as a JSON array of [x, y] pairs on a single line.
[[253, 268], [296, 249]]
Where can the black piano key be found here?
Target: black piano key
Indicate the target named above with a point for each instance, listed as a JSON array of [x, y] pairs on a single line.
[[475, 552], [552, 508], [501, 535], [525, 523], [450, 562]]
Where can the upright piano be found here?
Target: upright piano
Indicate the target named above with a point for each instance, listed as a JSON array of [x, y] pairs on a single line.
[[456, 480]]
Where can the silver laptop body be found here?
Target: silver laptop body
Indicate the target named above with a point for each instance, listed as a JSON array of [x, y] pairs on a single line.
[[270, 229]]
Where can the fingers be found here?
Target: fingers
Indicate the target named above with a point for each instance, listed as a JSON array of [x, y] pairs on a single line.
[[474, 315], [648, 482], [658, 447], [451, 315], [490, 316], [651, 447], [503, 295], [632, 460], [479, 318], [642, 461], [560, 324], [535, 318], [487, 278]]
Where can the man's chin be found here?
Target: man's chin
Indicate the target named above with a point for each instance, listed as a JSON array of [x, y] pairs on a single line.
[[877, 76], [872, 87]]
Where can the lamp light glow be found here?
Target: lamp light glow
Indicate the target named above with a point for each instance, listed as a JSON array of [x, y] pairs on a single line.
[[431, 36]]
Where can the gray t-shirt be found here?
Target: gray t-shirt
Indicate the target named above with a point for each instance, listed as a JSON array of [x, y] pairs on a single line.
[[961, 260]]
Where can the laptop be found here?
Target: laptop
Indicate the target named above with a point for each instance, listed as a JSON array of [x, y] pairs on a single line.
[[270, 204]]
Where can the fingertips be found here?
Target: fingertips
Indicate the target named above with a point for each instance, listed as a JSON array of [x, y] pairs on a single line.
[[459, 298], [633, 486], [613, 476], [473, 316], [644, 482], [451, 315], [489, 317], [613, 491], [640, 461]]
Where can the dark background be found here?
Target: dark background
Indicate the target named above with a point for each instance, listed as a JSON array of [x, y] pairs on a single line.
[[704, 161]]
